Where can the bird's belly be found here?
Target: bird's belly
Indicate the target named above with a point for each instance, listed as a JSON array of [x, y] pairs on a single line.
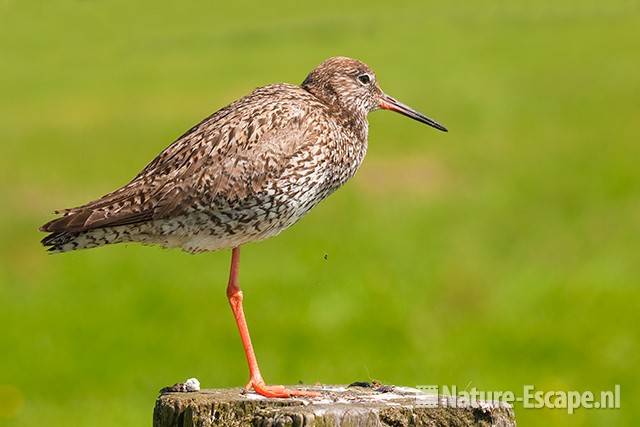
[[255, 218], [230, 223]]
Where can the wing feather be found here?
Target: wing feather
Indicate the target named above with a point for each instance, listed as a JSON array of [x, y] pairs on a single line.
[[229, 155]]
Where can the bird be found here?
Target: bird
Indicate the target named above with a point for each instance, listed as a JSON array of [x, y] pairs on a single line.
[[243, 174]]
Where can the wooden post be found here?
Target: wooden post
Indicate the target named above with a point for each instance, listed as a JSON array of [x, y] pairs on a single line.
[[339, 406]]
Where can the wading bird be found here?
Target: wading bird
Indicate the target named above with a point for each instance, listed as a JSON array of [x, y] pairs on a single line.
[[243, 174]]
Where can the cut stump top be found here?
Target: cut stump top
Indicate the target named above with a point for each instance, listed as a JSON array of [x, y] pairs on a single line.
[[338, 406]]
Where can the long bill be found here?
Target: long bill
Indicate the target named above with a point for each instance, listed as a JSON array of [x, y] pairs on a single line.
[[389, 103]]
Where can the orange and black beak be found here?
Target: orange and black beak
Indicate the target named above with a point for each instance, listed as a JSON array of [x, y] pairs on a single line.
[[388, 103]]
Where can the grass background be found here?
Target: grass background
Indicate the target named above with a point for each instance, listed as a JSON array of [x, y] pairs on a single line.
[[504, 253]]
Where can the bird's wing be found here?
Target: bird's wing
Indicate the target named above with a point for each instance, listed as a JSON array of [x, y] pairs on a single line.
[[227, 156]]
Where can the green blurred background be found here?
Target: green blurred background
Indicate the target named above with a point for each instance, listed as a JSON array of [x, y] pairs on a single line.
[[503, 253]]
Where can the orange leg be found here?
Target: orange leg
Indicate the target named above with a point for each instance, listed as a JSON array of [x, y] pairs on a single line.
[[234, 294]]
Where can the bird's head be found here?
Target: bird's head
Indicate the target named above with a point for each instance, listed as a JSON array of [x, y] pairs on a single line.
[[351, 85]]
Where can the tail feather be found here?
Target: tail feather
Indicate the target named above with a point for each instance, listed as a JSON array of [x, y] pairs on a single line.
[[89, 227], [65, 241], [56, 239]]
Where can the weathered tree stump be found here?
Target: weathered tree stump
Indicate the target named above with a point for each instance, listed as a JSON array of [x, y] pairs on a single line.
[[337, 406]]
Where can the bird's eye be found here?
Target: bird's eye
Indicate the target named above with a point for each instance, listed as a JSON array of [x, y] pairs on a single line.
[[365, 79]]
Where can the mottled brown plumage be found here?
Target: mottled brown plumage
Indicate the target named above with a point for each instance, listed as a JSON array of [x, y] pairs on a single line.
[[244, 173]]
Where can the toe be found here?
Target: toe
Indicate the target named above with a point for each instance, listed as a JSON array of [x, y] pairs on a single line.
[[278, 391]]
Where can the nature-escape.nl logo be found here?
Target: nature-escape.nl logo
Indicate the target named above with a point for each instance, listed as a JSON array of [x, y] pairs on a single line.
[[530, 397]]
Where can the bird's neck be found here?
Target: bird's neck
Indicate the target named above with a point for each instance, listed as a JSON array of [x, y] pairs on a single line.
[[348, 112], [352, 120], [354, 123]]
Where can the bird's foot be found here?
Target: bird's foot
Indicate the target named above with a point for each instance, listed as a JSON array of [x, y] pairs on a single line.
[[278, 391]]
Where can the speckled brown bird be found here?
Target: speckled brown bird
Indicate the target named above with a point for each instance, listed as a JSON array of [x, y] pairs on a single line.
[[243, 174]]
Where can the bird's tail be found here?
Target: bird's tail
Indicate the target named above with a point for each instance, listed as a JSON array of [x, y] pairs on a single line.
[[65, 241]]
